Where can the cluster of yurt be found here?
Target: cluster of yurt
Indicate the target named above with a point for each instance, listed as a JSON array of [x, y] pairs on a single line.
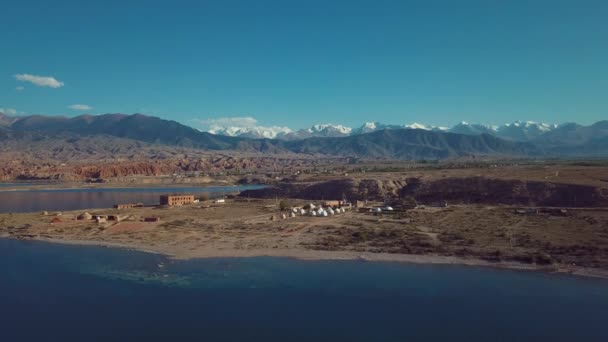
[[284, 216], [313, 210], [324, 212]]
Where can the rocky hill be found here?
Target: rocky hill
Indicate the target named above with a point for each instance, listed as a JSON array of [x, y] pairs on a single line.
[[470, 190], [6, 120], [137, 127]]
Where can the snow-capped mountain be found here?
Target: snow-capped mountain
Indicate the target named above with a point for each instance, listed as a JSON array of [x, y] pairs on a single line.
[[524, 131], [516, 131], [369, 127], [340, 129], [473, 129], [320, 130], [254, 132], [416, 125]]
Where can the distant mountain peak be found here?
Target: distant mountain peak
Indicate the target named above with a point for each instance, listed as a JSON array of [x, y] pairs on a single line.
[[416, 125], [330, 127], [254, 132], [371, 125], [517, 130]]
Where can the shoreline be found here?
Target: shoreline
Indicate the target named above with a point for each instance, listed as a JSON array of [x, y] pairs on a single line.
[[318, 255], [25, 188], [488, 236]]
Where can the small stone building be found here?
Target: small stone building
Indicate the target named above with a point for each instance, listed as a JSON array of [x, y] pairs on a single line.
[[128, 205]]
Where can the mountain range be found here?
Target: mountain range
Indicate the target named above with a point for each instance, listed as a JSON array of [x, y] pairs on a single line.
[[516, 131], [371, 140]]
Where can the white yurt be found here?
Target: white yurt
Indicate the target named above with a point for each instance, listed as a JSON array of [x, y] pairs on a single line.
[[85, 216], [388, 208]]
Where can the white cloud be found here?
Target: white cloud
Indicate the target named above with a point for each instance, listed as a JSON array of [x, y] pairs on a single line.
[[19, 88], [11, 111], [80, 107], [240, 126], [42, 81]]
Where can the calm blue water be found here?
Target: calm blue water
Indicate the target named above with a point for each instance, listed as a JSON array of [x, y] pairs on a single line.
[[73, 199], [70, 293], [14, 185]]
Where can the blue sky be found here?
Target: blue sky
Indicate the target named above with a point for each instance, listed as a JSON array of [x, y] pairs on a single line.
[[296, 63]]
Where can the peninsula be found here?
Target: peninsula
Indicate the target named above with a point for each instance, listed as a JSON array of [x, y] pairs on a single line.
[[551, 217]]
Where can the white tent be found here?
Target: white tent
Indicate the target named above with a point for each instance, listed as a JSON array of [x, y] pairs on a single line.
[[85, 216], [325, 213], [330, 211], [313, 213], [302, 211]]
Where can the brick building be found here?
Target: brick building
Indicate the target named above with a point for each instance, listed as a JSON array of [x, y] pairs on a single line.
[[176, 199]]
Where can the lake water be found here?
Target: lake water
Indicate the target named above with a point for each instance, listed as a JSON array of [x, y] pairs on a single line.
[[16, 185], [73, 199], [71, 293]]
